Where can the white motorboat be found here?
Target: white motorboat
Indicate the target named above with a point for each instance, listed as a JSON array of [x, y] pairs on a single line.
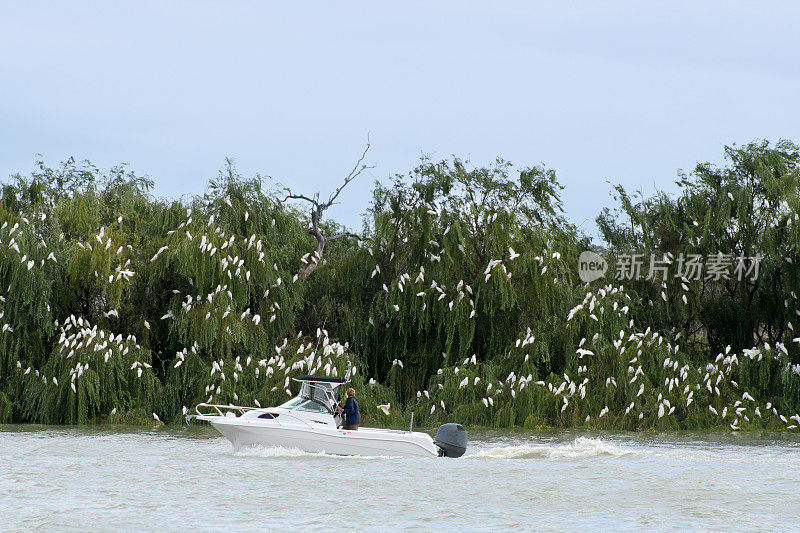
[[310, 422]]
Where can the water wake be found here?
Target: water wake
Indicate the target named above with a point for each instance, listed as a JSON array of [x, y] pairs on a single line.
[[580, 447], [281, 451], [271, 451]]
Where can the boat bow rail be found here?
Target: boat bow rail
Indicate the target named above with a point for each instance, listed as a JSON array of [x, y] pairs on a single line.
[[212, 410]]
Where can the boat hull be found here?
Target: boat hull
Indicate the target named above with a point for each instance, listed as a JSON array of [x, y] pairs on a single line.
[[325, 439]]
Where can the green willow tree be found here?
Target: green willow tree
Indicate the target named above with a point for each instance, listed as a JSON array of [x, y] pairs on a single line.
[[452, 256], [748, 209], [458, 300]]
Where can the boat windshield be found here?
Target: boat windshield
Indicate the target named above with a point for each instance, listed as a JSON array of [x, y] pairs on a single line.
[[303, 404]]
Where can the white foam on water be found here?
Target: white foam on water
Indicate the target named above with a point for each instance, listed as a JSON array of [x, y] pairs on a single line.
[[580, 447], [271, 451], [281, 451]]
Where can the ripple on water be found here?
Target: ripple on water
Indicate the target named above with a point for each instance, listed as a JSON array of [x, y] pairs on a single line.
[[178, 478]]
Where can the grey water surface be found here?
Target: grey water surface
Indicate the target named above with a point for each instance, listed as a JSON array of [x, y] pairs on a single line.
[[111, 478]]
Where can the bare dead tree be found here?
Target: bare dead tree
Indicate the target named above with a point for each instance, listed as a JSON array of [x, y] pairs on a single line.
[[318, 208]]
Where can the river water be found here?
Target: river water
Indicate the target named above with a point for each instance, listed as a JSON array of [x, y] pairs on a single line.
[[173, 478]]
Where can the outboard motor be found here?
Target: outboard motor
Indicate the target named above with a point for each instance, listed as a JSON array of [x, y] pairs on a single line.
[[451, 440]]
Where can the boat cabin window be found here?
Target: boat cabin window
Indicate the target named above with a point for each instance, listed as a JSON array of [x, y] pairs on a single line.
[[294, 402], [311, 405], [303, 404]]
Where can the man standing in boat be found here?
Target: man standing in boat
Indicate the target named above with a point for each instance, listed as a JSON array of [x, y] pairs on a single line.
[[352, 416]]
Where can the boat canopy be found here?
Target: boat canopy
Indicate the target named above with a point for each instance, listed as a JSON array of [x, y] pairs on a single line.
[[321, 379]]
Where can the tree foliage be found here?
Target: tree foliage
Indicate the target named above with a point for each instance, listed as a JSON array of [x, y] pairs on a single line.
[[459, 299]]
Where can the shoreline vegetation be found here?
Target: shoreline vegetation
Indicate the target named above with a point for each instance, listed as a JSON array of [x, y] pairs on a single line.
[[459, 300]]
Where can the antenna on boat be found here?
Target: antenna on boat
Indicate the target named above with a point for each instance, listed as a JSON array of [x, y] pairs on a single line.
[[411, 425]]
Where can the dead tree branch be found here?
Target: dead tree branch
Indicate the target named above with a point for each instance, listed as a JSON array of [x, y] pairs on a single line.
[[318, 209]]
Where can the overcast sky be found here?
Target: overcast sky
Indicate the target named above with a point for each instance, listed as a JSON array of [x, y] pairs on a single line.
[[627, 93]]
